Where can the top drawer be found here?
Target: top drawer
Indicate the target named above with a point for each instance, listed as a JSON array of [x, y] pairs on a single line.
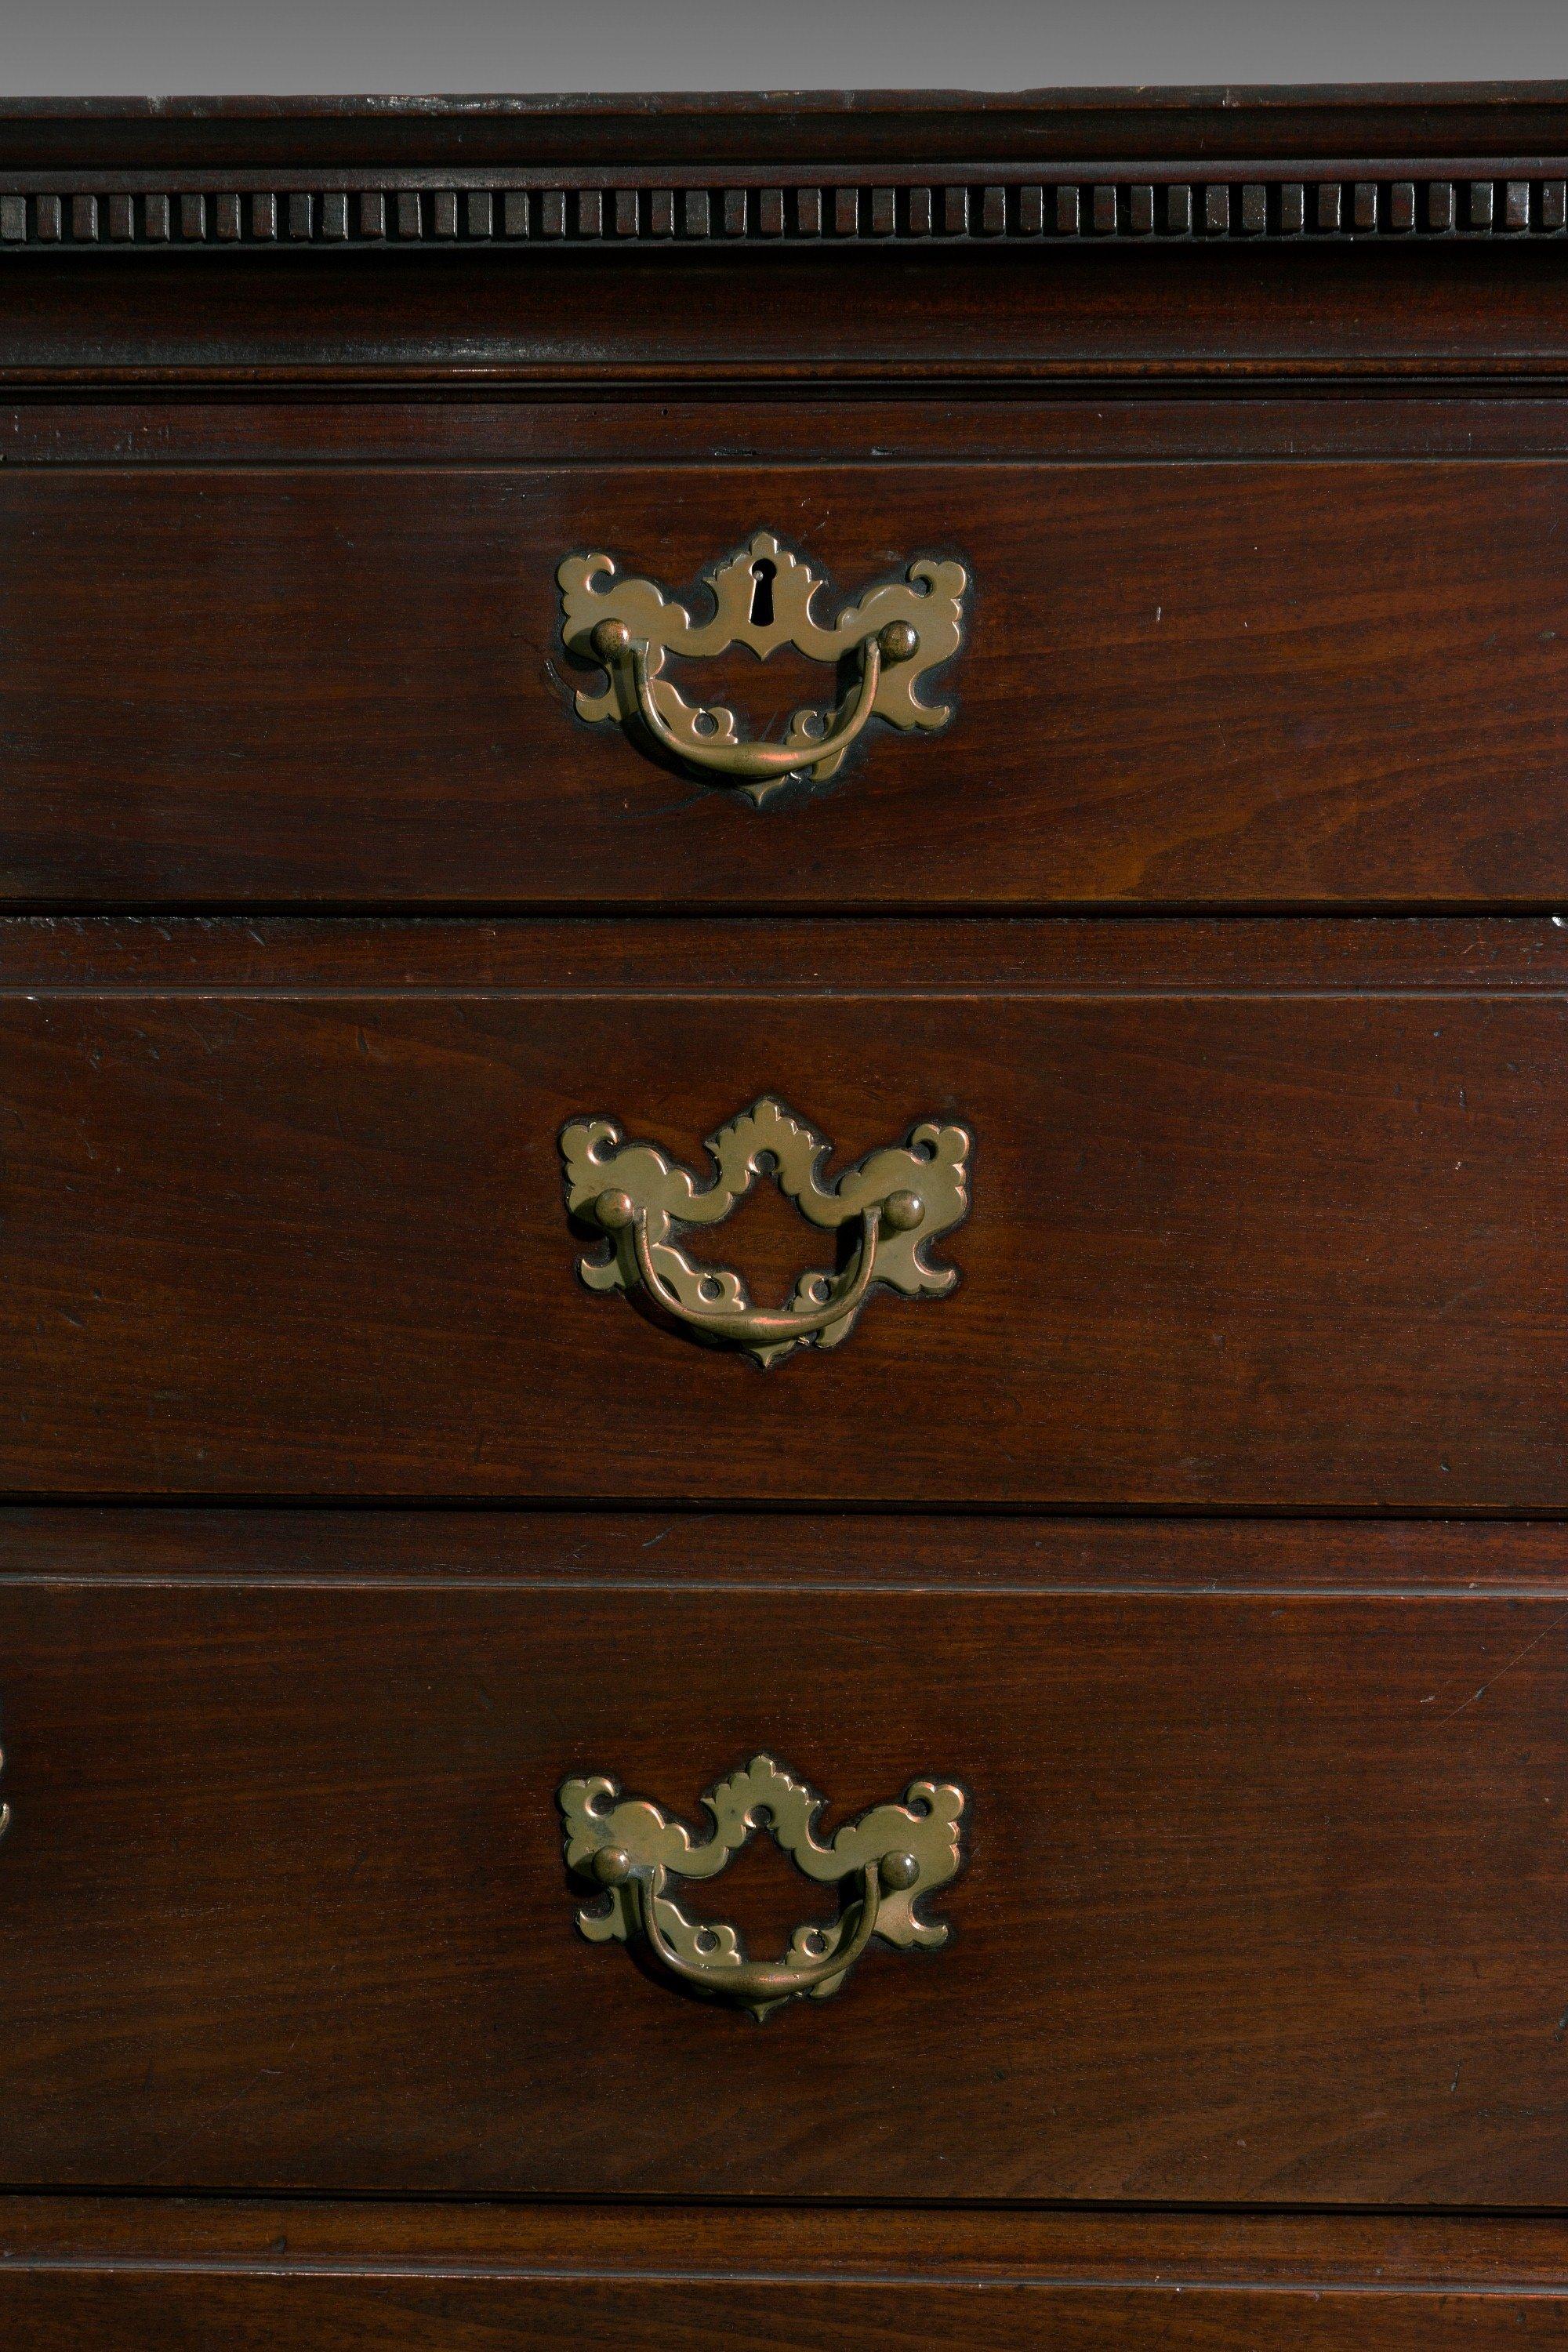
[[284, 657]]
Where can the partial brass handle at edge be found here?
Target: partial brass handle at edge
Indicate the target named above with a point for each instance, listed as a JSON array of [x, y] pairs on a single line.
[[890, 1857], [613, 644]]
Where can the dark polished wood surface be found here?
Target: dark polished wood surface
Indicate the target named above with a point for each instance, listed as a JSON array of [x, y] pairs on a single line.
[[956, 1554], [853, 425], [679, 2240], [1218, 314], [268, 2314], [1215, 689], [145, 2274], [820, 960], [1260, 1904]]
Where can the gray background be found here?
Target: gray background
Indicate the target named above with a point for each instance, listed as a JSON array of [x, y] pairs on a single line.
[[163, 47]]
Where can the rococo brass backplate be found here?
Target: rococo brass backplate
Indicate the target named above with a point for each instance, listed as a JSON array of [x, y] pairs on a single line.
[[904, 1197], [762, 596], [883, 1862]]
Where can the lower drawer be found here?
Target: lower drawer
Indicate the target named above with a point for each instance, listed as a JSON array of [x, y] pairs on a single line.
[[1264, 1897]]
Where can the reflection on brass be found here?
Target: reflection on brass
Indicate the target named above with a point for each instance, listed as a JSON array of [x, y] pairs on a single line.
[[882, 1864], [762, 596], [899, 1200]]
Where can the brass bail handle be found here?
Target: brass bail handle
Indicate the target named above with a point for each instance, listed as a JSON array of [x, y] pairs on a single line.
[[893, 1207], [901, 1212], [882, 1865], [620, 651], [757, 1984], [898, 633]]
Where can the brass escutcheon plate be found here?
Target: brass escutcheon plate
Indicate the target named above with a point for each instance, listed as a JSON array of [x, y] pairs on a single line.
[[901, 1199], [762, 597], [883, 1865]]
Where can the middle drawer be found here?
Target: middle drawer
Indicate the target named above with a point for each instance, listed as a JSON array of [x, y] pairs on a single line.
[[1256, 1219]]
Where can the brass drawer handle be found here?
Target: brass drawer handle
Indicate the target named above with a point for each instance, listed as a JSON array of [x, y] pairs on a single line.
[[762, 596], [901, 1199], [750, 763], [884, 1862]]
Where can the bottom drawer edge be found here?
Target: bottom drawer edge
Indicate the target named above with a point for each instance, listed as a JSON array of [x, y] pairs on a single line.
[[154, 2274]]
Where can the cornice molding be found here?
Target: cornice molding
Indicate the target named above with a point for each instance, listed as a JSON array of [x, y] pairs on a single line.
[[1043, 169], [938, 131], [71, 212]]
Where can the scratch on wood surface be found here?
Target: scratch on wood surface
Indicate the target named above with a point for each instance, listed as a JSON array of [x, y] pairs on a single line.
[[1507, 1667]]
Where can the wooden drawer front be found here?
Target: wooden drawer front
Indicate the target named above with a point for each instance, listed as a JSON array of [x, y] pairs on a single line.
[[1251, 1246], [1264, 1898], [1183, 684]]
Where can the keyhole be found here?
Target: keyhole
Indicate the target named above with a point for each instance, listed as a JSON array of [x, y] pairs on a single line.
[[764, 572]]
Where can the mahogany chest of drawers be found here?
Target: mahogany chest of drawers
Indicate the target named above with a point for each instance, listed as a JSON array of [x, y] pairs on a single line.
[[783, 1099]]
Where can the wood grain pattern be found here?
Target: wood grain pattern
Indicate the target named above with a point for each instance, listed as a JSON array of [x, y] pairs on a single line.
[[955, 1553], [283, 1901], [621, 424], [143, 2271], [1232, 1250], [1097, 2246], [823, 959], [1215, 309], [1260, 684], [268, 2315]]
